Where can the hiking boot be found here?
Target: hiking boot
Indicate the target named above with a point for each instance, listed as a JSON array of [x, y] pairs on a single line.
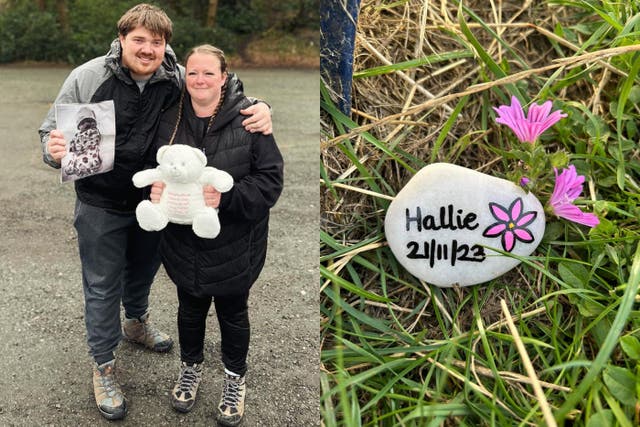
[[184, 393], [141, 331], [231, 407], [109, 397]]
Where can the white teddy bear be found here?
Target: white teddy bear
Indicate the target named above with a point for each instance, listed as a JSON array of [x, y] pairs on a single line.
[[184, 171]]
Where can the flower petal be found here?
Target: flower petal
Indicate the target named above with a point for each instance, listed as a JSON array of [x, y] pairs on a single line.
[[523, 235], [495, 229], [534, 130], [538, 113], [588, 219], [515, 125], [499, 212], [566, 210], [522, 130], [528, 128], [552, 119], [516, 108], [513, 117], [574, 214], [568, 186], [526, 219], [515, 209], [508, 240]]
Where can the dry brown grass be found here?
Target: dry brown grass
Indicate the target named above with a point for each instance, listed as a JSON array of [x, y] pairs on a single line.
[[404, 31], [409, 108], [419, 29]]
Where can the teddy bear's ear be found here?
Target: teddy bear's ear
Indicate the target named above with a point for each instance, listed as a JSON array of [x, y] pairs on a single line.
[[201, 156], [161, 152]]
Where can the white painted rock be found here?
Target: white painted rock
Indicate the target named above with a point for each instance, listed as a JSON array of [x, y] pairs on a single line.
[[444, 225]]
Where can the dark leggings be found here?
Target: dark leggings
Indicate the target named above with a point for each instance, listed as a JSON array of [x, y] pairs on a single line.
[[233, 318]]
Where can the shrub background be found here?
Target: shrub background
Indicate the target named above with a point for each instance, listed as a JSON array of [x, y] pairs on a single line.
[[74, 31]]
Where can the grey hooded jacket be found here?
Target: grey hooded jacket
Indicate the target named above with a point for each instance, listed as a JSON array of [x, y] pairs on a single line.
[[137, 116]]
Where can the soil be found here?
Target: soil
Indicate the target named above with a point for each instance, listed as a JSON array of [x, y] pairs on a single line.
[[46, 370]]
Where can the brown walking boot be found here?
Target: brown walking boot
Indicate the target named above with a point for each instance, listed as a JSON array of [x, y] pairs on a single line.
[[184, 393], [141, 331], [109, 397], [231, 407]]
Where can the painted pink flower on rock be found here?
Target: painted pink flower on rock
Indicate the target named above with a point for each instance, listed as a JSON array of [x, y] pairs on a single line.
[[529, 128], [511, 224], [568, 187]]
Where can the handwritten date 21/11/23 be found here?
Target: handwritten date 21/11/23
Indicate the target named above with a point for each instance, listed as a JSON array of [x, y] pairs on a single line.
[[454, 252]]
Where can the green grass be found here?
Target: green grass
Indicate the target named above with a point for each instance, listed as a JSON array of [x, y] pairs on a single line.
[[400, 352]]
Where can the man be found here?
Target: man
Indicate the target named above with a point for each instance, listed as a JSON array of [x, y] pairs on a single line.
[[119, 260]]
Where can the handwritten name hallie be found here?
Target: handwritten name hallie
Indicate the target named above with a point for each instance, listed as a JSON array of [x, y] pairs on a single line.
[[447, 218]]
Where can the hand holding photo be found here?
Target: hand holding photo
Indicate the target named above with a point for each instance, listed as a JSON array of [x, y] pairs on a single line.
[[90, 130]]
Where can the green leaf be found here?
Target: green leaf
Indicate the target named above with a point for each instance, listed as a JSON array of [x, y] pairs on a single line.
[[620, 172], [601, 418], [634, 94], [621, 383], [625, 92], [631, 346], [480, 51], [554, 231], [559, 159], [606, 349], [590, 308], [421, 413], [607, 181], [621, 417], [413, 63], [350, 287], [447, 126], [596, 126], [573, 274]]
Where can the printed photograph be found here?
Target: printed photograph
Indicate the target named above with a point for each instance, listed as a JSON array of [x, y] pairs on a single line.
[[90, 130]]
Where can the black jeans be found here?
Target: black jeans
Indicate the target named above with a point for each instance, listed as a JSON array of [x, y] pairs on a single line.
[[233, 318], [119, 261]]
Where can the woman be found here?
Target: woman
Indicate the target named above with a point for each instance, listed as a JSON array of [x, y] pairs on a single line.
[[221, 269]]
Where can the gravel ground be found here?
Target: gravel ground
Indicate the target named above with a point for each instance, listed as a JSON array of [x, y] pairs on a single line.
[[46, 370]]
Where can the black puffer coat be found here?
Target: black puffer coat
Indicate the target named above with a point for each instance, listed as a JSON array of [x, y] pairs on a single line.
[[230, 263]]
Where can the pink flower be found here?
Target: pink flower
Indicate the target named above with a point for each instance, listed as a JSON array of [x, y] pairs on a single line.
[[529, 128], [524, 181], [511, 224], [568, 187]]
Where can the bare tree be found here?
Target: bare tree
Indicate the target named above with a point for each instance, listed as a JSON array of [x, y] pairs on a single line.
[[63, 15], [212, 11]]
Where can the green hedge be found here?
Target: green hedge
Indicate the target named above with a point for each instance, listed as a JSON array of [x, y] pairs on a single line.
[[29, 35], [35, 35]]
